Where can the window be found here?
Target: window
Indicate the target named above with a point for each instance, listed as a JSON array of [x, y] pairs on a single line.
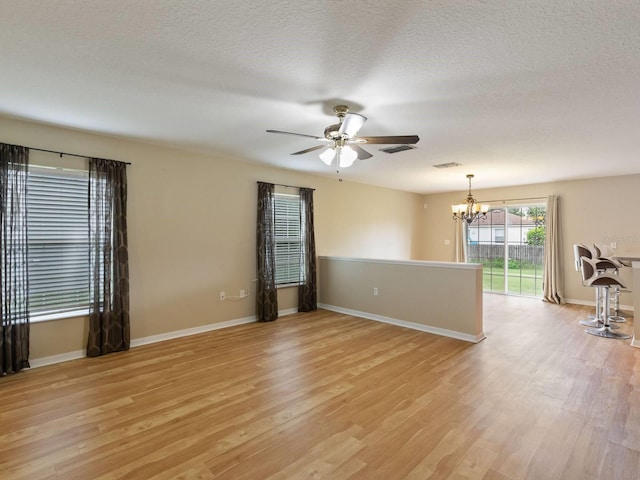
[[513, 255], [58, 242], [288, 240]]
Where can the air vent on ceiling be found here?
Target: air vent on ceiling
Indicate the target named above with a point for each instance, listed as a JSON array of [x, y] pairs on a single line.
[[399, 148], [448, 165]]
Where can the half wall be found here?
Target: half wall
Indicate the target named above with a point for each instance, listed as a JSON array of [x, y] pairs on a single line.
[[444, 298]]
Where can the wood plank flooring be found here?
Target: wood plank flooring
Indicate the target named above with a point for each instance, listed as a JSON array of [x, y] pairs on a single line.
[[330, 396]]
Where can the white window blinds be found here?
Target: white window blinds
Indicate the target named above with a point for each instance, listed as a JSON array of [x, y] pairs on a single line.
[[288, 240], [58, 241]]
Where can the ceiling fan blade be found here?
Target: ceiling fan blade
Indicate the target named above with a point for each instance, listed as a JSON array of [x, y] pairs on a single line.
[[296, 134], [362, 153], [351, 123], [317, 147], [393, 140]]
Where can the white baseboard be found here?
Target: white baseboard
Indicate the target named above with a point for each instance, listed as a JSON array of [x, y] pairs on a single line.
[[625, 308], [190, 331], [50, 360], [580, 302], [137, 342], [403, 323]]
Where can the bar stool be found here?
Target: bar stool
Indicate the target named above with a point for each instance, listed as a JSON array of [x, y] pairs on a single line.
[[602, 282], [580, 251], [616, 315]]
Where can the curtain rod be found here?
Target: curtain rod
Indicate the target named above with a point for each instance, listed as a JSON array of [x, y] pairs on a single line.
[[513, 199], [70, 154], [286, 186]]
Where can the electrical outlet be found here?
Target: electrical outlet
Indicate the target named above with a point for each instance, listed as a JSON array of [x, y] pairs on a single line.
[[222, 295], [242, 295], [614, 245], [375, 291]]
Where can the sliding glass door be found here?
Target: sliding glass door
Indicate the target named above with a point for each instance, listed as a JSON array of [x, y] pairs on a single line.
[[510, 245]]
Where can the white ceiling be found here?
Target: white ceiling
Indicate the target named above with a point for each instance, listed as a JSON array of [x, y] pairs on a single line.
[[516, 91]]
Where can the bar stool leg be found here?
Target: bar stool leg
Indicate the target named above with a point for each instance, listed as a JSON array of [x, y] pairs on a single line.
[[616, 317], [605, 330], [598, 319], [595, 315]]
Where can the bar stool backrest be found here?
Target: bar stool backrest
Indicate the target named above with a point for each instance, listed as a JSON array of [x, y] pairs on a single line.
[[587, 268], [579, 251]]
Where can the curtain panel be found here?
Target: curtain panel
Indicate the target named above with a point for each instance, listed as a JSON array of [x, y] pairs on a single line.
[[552, 277], [14, 280], [109, 326], [266, 291], [307, 290], [461, 241]]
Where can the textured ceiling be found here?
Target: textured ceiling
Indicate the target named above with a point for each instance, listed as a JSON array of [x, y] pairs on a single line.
[[517, 92]]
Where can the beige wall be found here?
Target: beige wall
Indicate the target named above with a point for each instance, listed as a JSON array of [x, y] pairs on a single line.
[[409, 293], [192, 230], [598, 210]]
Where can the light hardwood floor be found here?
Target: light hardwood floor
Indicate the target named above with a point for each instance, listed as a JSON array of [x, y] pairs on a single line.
[[329, 396]]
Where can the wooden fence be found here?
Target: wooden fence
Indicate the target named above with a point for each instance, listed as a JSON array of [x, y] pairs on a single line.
[[533, 254]]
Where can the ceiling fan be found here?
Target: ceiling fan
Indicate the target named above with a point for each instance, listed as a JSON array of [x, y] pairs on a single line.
[[341, 142]]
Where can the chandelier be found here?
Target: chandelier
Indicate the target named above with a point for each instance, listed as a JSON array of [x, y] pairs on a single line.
[[469, 210]]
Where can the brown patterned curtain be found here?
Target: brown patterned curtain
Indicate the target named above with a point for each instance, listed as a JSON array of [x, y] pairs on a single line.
[[14, 280], [266, 292], [109, 263], [307, 291]]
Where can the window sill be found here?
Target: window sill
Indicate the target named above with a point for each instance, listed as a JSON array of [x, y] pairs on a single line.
[[58, 316]]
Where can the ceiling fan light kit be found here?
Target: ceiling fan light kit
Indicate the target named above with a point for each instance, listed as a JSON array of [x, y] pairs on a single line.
[[344, 144], [345, 155]]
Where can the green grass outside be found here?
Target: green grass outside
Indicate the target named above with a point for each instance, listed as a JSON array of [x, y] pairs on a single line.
[[525, 281]]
